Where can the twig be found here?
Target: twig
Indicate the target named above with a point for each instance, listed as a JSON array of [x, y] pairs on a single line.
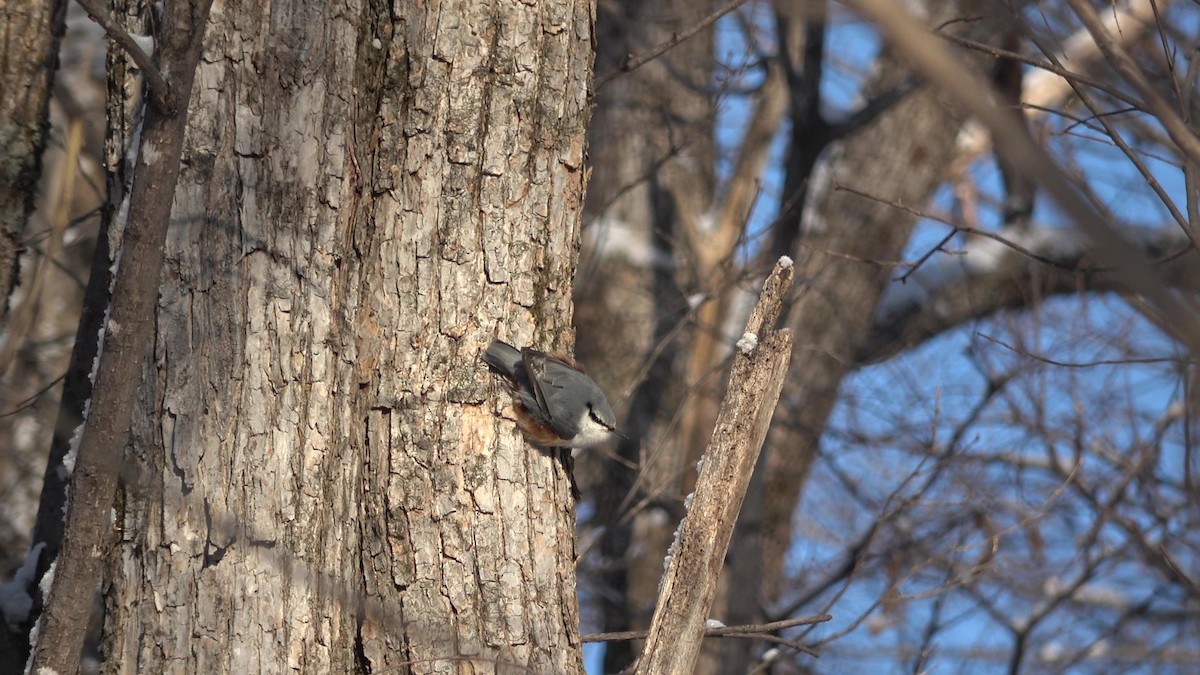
[[32, 399], [1175, 127], [1049, 67], [160, 91], [635, 61], [713, 632], [903, 278], [759, 631], [1082, 364], [965, 229]]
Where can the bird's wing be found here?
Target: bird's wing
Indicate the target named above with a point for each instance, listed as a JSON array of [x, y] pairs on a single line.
[[548, 377]]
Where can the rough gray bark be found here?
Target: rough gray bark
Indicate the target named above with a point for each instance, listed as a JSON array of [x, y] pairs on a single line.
[[322, 481], [30, 37]]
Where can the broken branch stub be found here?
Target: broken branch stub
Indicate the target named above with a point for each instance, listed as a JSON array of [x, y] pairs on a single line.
[[690, 583]]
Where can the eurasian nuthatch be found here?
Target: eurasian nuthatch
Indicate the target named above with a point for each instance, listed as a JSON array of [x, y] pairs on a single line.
[[556, 404]]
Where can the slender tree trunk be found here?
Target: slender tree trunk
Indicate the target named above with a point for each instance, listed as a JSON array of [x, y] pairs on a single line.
[[32, 31], [369, 195]]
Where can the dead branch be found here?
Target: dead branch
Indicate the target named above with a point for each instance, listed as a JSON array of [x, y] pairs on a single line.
[[690, 583]]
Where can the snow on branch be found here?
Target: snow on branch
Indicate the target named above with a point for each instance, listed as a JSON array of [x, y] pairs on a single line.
[[1008, 270]]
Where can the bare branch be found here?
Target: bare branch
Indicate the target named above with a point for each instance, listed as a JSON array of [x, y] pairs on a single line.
[[1115, 136], [1051, 83], [872, 109], [1010, 270], [1179, 131], [760, 631], [1073, 364]]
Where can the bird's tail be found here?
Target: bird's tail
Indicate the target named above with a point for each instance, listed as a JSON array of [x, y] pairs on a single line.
[[503, 357]]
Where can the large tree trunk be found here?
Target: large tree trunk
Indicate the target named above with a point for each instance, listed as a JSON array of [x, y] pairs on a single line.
[[368, 195]]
